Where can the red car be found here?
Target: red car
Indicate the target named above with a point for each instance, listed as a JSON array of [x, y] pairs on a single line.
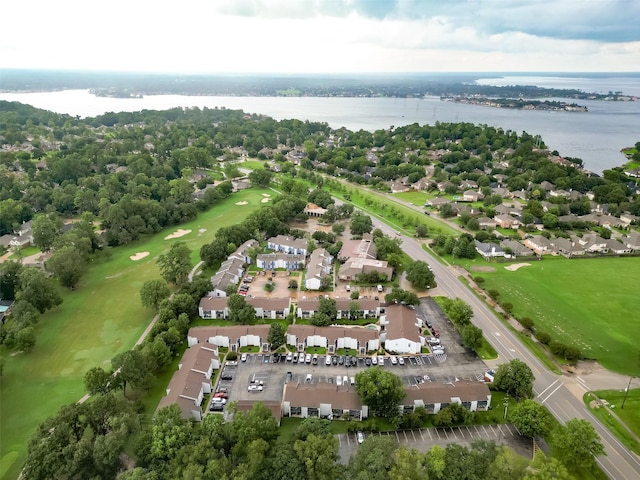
[[436, 332], [220, 395]]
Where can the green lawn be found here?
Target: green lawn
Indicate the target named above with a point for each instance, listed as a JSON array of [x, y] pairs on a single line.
[[630, 414], [592, 303], [101, 318]]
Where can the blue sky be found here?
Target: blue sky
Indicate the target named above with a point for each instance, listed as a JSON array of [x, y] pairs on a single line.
[[322, 36]]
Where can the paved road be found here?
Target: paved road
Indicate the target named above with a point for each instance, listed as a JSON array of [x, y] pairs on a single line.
[[562, 395]]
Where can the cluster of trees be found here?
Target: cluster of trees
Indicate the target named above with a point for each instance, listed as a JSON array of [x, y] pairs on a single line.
[[398, 295], [420, 275], [461, 247], [460, 313]]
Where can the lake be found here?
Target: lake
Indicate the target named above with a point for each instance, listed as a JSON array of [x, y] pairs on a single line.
[[596, 136]]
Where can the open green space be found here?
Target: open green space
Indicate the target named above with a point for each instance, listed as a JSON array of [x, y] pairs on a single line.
[[590, 303], [630, 414], [101, 318]]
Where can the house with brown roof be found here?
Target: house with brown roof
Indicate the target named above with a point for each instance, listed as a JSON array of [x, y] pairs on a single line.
[[232, 337], [632, 241], [506, 221], [319, 267], [332, 338], [314, 210], [192, 381], [486, 222], [517, 249], [401, 330], [539, 244], [271, 308], [568, 248], [363, 248], [213, 308], [471, 196], [433, 397], [357, 266], [323, 400]]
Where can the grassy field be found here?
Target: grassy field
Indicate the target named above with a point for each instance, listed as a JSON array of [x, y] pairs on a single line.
[[630, 414], [591, 303], [101, 318]]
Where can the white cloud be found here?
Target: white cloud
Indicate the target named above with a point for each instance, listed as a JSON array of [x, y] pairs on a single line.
[[314, 36]]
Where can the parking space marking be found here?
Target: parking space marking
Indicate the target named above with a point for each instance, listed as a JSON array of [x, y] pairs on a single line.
[[430, 437], [397, 437], [421, 436], [470, 434]]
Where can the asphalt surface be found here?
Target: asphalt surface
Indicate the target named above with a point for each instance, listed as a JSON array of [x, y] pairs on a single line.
[[562, 395]]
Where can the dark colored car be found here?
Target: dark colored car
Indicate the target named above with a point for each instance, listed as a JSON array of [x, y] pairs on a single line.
[[226, 376], [340, 360], [334, 360], [216, 407], [367, 362], [347, 361], [354, 361]]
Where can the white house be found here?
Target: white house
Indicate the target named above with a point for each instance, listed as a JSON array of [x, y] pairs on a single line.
[[401, 330], [283, 243], [318, 268]]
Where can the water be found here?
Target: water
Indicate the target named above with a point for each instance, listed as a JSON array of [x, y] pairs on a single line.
[[596, 137]]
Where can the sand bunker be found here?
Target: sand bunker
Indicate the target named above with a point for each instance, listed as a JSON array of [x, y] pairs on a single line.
[[177, 234], [241, 203], [266, 195], [265, 200], [516, 266], [138, 256]]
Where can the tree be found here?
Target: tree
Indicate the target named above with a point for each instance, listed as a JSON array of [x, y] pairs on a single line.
[[68, 265], [10, 279], [354, 310], [399, 295], [531, 419], [408, 464], [240, 311], [175, 265], [25, 339], [319, 454], [508, 465], [435, 461], [327, 306], [514, 378], [277, 335], [421, 231], [320, 320], [45, 229], [453, 414], [360, 224], [132, 368], [153, 292], [373, 459], [547, 468], [97, 381], [337, 228], [458, 311], [37, 289], [381, 391], [420, 275], [471, 336], [577, 444], [260, 177]]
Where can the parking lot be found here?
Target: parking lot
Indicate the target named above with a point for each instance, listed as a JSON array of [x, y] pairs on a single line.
[[424, 439]]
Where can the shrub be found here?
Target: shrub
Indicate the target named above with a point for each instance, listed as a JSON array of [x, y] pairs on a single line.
[[493, 293], [507, 307], [572, 353], [479, 280], [543, 337], [269, 287], [557, 348], [231, 356], [527, 323]]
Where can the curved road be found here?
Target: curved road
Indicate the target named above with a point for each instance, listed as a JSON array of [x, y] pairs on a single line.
[[562, 395]]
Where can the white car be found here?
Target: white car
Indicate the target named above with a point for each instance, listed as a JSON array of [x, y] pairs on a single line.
[[394, 360], [222, 401], [243, 357], [327, 361], [255, 388], [289, 356], [381, 361], [360, 436], [308, 358], [301, 357], [401, 360], [374, 360]]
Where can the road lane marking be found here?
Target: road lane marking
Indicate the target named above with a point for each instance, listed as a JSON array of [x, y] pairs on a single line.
[[554, 391], [542, 392]]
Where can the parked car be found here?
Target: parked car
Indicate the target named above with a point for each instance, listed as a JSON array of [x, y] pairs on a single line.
[[334, 360], [226, 376], [360, 436], [367, 361], [301, 357], [340, 360], [243, 357], [308, 358], [394, 360], [295, 358], [327, 360], [401, 360], [216, 407], [374, 360], [347, 361], [437, 351], [314, 360], [220, 395], [354, 361], [220, 400], [381, 361], [380, 288], [428, 324], [255, 388]]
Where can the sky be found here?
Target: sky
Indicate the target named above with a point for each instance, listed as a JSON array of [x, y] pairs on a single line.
[[322, 36]]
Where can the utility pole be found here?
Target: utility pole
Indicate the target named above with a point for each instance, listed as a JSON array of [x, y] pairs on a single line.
[[626, 392]]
